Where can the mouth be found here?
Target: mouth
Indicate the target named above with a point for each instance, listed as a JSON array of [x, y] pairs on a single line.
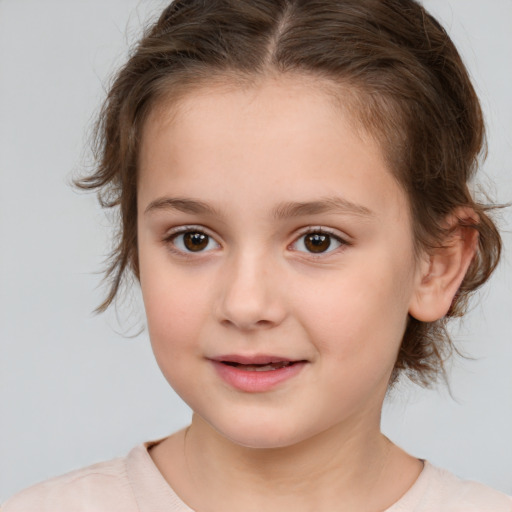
[[265, 367], [259, 373], [257, 363]]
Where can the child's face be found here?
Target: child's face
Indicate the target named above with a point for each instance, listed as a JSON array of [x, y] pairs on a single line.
[[270, 231]]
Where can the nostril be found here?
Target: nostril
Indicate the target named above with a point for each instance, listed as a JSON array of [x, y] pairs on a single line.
[[247, 325], [249, 301]]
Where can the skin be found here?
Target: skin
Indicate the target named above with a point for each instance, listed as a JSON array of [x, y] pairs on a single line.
[[313, 442]]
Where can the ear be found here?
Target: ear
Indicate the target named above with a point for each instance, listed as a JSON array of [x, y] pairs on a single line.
[[442, 270]]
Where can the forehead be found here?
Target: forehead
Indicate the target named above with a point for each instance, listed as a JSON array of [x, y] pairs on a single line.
[[288, 136], [258, 100]]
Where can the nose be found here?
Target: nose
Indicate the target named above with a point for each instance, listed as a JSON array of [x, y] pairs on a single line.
[[251, 294]]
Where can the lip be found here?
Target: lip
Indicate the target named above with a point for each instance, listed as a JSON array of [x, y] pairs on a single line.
[[256, 381], [251, 359]]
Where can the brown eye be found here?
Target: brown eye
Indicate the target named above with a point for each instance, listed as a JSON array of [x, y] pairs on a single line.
[[193, 241], [317, 242]]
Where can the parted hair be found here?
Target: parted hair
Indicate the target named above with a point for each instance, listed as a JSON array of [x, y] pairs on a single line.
[[397, 71]]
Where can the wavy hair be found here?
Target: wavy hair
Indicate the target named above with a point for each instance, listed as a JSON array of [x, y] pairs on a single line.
[[407, 86]]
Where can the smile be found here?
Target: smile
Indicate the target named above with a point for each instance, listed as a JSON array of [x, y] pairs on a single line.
[[269, 367], [256, 374]]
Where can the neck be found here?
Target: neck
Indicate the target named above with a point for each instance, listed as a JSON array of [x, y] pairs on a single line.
[[320, 456], [345, 468]]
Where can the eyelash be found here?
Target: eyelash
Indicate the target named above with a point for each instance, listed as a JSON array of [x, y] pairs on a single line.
[[170, 238], [322, 231]]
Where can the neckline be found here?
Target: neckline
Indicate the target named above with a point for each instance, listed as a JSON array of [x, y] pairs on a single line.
[[154, 494]]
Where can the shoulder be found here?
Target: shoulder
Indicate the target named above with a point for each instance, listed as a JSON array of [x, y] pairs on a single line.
[[100, 487], [469, 496], [441, 491]]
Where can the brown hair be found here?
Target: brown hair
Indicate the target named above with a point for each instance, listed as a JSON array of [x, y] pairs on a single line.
[[412, 93]]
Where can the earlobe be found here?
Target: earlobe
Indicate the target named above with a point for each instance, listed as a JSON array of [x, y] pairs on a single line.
[[442, 270]]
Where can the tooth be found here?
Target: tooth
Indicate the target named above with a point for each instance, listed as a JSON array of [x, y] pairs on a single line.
[[265, 367], [258, 368]]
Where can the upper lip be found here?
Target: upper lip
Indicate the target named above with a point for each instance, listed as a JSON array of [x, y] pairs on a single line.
[[252, 359]]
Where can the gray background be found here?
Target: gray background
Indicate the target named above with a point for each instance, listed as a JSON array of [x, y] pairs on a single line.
[[73, 390]]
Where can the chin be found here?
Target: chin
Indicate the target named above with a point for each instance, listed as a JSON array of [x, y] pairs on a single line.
[[262, 436], [261, 442]]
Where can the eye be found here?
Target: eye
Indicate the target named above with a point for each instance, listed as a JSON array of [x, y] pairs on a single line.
[[192, 240], [318, 242]]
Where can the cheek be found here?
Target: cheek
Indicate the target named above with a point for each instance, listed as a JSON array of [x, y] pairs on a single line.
[[360, 316], [175, 306], [174, 316]]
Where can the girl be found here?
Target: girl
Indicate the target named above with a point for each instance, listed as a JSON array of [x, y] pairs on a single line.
[[292, 178]]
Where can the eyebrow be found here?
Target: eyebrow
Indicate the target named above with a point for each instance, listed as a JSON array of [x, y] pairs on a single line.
[[181, 204], [325, 205], [283, 211]]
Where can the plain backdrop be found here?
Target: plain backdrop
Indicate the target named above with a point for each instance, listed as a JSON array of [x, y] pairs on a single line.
[[73, 389]]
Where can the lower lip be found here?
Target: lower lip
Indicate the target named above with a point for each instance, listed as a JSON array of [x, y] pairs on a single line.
[[254, 381]]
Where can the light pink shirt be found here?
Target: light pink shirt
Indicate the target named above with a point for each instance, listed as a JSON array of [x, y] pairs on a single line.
[[134, 484]]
